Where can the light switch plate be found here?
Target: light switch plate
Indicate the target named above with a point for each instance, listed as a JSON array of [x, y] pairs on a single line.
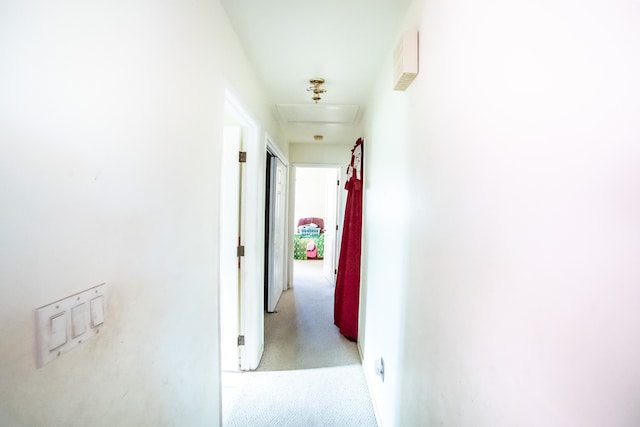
[[67, 323], [57, 330], [97, 311], [79, 320]]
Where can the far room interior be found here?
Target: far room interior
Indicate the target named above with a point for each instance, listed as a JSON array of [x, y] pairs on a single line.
[[316, 212]]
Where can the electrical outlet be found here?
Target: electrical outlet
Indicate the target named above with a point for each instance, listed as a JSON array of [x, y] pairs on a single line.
[[379, 367]]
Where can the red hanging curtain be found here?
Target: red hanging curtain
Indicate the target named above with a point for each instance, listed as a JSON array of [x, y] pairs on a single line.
[[347, 293]]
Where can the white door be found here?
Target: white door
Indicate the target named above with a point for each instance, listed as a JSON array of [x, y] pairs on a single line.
[[277, 243], [330, 222], [229, 262], [248, 227]]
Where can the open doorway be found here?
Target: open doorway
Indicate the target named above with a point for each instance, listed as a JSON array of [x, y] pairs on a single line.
[[275, 247], [241, 213], [316, 218]]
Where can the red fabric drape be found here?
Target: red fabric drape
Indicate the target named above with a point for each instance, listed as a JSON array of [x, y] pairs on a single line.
[[347, 293]]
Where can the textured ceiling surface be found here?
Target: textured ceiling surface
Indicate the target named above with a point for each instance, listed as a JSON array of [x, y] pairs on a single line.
[[342, 41]]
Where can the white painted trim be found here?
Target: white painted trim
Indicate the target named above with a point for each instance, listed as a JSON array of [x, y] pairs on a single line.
[[252, 273], [232, 102], [368, 379], [319, 165], [273, 147]]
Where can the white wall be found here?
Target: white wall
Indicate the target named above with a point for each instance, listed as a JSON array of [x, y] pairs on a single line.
[[111, 120], [502, 289], [310, 193], [320, 154], [335, 155]]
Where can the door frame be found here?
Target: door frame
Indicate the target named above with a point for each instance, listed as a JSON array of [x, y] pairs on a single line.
[[332, 224], [288, 272], [251, 320], [230, 225], [341, 196], [270, 226]]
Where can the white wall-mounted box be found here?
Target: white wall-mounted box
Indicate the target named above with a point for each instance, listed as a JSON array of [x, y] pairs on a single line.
[[405, 61], [67, 323]]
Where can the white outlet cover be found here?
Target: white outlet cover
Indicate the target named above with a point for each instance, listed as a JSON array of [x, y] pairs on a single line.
[[65, 324]]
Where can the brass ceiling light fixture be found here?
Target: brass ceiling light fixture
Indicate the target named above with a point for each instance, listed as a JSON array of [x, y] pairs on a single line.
[[316, 88]]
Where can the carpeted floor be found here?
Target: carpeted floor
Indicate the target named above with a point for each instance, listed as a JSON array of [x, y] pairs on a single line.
[[301, 333], [309, 374]]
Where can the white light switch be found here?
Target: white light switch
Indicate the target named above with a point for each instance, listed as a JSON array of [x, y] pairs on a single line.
[[97, 311], [57, 330], [78, 320], [69, 322]]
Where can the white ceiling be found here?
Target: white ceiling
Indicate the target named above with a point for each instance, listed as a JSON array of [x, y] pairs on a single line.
[[342, 41]]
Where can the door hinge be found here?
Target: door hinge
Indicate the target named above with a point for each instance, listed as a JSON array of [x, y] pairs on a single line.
[[242, 158], [336, 227], [240, 339], [338, 184], [240, 250], [335, 271]]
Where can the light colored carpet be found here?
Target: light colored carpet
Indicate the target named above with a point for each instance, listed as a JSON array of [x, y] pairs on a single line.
[[310, 397], [301, 333], [309, 374]]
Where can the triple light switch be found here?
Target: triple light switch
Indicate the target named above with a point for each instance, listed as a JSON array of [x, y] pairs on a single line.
[[67, 323]]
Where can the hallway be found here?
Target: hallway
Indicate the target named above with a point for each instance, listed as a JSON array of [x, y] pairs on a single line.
[[500, 280], [309, 374]]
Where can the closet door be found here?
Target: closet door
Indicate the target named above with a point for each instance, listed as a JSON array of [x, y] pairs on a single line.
[[277, 244]]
